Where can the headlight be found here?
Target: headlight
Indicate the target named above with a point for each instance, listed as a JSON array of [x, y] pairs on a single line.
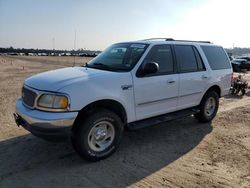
[[53, 102]]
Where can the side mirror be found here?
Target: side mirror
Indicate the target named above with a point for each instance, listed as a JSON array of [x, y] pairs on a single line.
[[150, 68]]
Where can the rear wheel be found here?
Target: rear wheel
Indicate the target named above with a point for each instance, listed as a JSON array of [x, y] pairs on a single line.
[[208, 107], [98, 136]]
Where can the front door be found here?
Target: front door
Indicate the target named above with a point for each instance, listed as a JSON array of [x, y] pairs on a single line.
[[157, 93]]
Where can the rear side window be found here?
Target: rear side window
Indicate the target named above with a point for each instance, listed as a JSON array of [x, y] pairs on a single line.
[[186, 58], [217, 58]]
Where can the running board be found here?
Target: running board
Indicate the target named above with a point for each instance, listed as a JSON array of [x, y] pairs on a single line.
[[162, 118]]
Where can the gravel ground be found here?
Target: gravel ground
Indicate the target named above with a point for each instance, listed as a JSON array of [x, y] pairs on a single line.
[[180, 153]]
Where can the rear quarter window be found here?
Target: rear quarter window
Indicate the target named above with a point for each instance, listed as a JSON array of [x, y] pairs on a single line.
[[217, 58]]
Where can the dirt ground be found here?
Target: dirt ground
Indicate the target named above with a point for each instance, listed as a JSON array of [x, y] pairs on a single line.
[[180, 153]]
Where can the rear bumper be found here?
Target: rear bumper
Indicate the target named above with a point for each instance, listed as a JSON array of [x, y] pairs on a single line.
[[48, 125]]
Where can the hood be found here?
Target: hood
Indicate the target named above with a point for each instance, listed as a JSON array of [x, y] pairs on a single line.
[[57, 79]]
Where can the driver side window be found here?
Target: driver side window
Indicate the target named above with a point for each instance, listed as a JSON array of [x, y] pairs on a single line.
[[162, 55]]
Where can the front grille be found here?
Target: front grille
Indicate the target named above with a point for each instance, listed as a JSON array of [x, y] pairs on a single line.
[[28, 97]]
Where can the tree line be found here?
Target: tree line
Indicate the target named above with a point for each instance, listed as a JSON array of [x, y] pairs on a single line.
[[47, 51]]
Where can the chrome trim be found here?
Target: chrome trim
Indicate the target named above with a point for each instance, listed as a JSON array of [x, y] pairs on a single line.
[[40, 93], [45, 119], [160, 100], [37, 94], [191, 94], [155, 101]]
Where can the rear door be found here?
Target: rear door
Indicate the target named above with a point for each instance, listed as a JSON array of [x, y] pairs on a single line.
[[193, 76], [156, 94]]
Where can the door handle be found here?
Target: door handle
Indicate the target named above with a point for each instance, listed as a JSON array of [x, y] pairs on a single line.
[[204, 77], [171, 81]]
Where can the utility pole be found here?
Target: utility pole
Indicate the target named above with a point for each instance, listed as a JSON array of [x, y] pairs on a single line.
[[53, 44], [75, 49]]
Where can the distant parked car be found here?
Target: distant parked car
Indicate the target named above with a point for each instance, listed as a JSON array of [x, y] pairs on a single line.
[[12, 53], [245, 57], [82, 54], [31, 54], [239, 64], [42, 54]]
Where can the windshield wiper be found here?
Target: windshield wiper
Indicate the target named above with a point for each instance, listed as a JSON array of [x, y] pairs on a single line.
[[101, 64]]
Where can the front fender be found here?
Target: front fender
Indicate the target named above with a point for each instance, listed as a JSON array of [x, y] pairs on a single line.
[[105, 88]]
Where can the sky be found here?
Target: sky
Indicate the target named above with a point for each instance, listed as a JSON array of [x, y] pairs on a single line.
[[96, 24]]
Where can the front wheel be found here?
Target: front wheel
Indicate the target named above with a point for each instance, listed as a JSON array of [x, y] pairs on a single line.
[[208, 107], [98, 136]]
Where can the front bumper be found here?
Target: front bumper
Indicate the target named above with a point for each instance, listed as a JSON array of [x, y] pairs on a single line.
[[49, 125]]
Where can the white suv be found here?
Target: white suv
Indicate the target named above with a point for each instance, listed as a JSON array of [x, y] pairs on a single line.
[[130, 84]]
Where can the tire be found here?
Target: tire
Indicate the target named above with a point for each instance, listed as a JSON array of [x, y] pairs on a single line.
[[232, 91], [97, 136], [243, 92], [208, 107]]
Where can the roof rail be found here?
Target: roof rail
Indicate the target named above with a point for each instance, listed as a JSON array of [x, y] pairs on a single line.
[[164, 39], [171, 39], [192, 41]]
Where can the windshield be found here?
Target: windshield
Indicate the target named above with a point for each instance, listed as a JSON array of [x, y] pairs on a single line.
[[119, 57]]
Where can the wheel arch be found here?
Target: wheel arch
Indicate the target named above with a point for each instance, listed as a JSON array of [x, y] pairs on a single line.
[[215, 88], [108, 104], [202, 115]]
